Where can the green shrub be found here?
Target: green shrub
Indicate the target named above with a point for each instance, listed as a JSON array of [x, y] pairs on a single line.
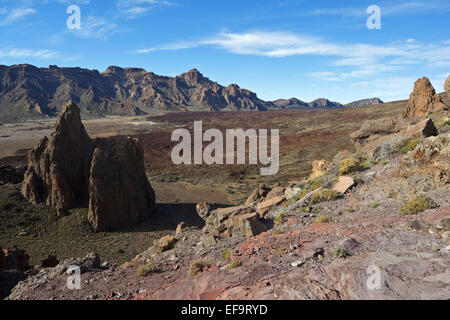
[[374, 205], [280, 218], [407, 146], [447, 123], [145, 270], [234, 264], [226, 254], [198, 265], [323, 219], [351, 210], [324, 195], [416, 205], [340, 253], [315, 184], [358, 181]]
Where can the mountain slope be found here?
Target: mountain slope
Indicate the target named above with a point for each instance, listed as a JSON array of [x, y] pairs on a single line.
[[29, 92], [364, 102]]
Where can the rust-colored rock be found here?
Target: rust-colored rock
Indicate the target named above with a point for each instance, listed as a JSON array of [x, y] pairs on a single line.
[[166, 243], [58, 167], [120, 194], [422, 100]]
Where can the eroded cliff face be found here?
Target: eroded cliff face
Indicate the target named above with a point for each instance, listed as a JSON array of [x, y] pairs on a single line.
[[27, 91], [422, 100]]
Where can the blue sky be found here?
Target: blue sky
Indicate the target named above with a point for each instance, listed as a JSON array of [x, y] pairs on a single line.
[[278, 49]]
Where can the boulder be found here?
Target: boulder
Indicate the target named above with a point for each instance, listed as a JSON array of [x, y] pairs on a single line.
[[223, 220], [166, 243], [203, 210], [50, 262], [58, 167], [119, 192], [247, 225], [266, 205], [257, 195], [447, 85], [91, 261], [343, 184], [382, 126], [319, 168], [422, 100], [276, 191]]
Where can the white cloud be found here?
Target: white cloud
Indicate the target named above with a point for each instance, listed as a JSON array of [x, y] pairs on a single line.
[[29, 53], [95, 27], [136, 8], [16, 15], [284, 44]]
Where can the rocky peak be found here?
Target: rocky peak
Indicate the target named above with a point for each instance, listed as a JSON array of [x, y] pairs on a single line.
[[422, 100], [192, 76], [447, 85]]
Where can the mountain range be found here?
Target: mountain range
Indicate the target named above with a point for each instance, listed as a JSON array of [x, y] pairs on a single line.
[[29, 92]]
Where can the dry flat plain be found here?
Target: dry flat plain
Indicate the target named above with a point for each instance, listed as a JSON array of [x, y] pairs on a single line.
[[305, 135]]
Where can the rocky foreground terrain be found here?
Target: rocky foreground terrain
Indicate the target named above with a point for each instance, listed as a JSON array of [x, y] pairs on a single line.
[[384, 208], [28, 92]]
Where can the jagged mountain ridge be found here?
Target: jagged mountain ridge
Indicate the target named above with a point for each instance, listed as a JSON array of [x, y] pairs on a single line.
[[29, 92]]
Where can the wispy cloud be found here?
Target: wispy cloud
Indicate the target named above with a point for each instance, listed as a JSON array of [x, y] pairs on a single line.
[[15, 15], [136, 8], [404, 8], [29, 53], [95, 27], [284, 44]]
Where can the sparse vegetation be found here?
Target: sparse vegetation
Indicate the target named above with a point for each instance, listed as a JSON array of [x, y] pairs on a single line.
[[374, 205], [447, 123], [351, 210], [325, 195], [353, 165], [280, 218], [323, 219], [226, 254], [234, 264], [145, 270], [407, 146], [358, 181], [340, 253], [416, 205], [197, 266]]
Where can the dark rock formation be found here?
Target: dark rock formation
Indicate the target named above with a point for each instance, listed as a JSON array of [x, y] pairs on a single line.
[[422, 100], [119, 192], [58, 167], [65, 170], [10, 174], [16, 259]]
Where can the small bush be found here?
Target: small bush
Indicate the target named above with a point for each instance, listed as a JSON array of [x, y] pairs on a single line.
[[407, 146], [323, 219], [416, 205], [198, 265], [324, 195], [145, 270], [358, 181], [234, 264], [447, 123], [340, 253], [226, 254], [353, 165], [280, 218], [374, 205], [315, 184], [351, 210]]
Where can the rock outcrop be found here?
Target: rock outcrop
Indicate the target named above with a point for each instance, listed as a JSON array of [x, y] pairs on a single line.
[[16, 259], [119, 191], [69, 169], [235, 221], [447, 85], [58, 167], [422, 100], [319, 168], [11, 175]]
